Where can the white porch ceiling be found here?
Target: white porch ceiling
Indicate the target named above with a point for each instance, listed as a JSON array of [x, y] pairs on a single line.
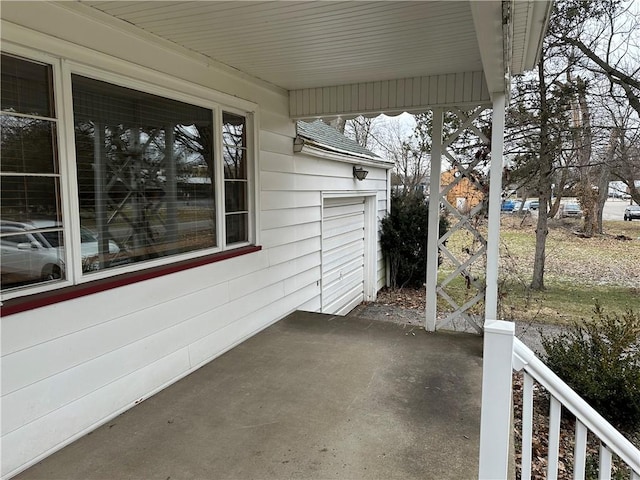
[[308, 44]]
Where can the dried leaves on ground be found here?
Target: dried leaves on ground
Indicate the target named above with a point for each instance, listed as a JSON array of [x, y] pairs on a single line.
[[410, 298]]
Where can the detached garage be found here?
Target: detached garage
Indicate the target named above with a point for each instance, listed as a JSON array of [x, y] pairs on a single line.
[[352, 267]]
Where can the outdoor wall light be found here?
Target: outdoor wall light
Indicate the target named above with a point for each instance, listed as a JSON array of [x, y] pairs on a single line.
[[360, 173]]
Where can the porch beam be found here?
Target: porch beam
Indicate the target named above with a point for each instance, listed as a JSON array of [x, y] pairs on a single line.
[[495, 193], [416, 94], [491, 28]]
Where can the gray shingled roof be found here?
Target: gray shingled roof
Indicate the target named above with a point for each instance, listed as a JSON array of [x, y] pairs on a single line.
[[329, 138]]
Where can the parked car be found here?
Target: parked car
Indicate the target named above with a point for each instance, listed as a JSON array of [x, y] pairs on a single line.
[[631, 212], [33, 251], [531, 205], [516, 206], [570, 210], [507, 206]]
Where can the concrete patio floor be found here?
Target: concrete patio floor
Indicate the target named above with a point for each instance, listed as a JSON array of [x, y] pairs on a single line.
[[311, 397]]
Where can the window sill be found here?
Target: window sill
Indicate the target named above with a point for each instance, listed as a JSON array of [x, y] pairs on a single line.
[[30, 302]]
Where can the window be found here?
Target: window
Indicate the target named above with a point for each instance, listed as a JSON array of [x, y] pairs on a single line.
[[145, 168], [234, 137], [31, 232], [152, 185]]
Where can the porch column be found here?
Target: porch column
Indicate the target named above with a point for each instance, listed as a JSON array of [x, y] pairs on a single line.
[[495, 191], [434, 221]]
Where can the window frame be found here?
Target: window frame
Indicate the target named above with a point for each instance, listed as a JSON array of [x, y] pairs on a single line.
[[156, 84], [57, 84], [252, 174]]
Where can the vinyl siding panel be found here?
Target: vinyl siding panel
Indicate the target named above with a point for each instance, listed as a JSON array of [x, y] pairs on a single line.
[[416, 94], [290, 251], [289, 216], [289, 199], [51, 432], [276, 142], [277, 181]]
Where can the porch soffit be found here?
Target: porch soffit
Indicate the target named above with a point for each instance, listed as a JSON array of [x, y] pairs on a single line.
[[304, 44], [391, 56]]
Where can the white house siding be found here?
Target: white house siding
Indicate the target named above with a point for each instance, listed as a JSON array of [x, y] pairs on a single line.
[[291, 199], [68, 367], [408, 94]]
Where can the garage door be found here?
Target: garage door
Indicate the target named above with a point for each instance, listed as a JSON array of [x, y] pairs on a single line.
[[342, 254]]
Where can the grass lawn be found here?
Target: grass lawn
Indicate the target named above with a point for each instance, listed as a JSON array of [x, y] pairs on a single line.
[[578, 271]]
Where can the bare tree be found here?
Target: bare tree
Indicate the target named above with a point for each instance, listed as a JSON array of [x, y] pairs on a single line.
[[582, 146], [625, 162], [544, 182], [607, 33], [539, 144], [409, 154], [558, 135], [393, 139], [362, 130], [604, 38]]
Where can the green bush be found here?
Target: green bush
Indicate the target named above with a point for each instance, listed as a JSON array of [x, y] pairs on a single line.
[[403, 239], [600, 360]]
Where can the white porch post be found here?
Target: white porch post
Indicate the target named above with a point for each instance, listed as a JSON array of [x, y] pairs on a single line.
[[495, 417], [495, 190], [434, 221]]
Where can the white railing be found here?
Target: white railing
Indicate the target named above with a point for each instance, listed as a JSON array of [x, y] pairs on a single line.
[[502, 353]]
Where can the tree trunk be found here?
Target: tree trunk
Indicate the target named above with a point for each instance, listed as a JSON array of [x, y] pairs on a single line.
[[542, 229], [544, 185], [587, 196], [605, 176], [603, 193]]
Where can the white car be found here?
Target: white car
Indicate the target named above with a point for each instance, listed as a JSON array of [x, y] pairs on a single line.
[[631, 212], [570, 210], [33, 251]]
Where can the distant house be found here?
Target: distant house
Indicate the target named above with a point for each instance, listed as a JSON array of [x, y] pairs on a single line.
[[463, 196]]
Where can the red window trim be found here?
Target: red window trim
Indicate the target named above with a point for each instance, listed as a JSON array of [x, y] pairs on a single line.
[[37, 300]]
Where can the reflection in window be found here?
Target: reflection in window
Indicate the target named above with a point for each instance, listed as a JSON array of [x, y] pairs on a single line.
[[26, 87], [234, 137], [145, 167], [30, 216], [145, 174]]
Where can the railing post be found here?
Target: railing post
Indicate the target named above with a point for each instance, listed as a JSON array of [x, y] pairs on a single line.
[[495, 417]]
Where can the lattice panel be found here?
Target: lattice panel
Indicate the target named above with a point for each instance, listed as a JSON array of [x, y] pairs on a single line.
[[463, 248]]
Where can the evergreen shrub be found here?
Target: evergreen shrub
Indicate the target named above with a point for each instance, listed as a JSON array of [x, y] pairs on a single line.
[[403, 239], [600, 360]]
